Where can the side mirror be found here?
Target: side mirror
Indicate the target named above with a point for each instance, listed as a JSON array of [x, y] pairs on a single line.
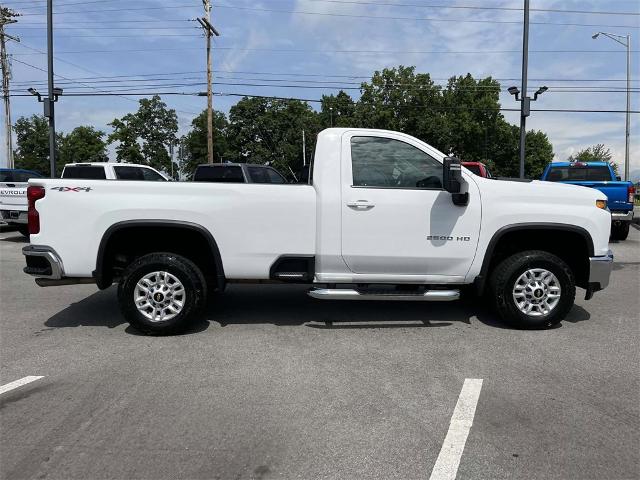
[[452, 180], [618, 178], [452, 174]]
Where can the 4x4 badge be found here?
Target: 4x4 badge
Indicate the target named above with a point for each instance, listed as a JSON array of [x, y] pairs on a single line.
[[72, 189]]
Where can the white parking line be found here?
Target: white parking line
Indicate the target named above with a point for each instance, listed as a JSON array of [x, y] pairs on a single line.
[[18, 383], [446, 466]]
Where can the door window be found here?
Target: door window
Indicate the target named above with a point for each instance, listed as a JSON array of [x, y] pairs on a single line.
[[129, 173], [152, 175], [389, 163], [219, 173]]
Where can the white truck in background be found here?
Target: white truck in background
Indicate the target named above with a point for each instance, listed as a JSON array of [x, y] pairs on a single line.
[[13, 185], [384, 217]]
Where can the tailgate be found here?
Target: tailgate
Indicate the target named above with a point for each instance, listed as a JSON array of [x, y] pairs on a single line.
[[13, 196]]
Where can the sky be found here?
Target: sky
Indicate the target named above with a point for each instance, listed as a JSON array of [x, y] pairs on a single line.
[[307, 48]]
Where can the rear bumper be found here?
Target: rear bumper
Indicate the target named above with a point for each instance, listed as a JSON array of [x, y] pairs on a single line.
[[622, 216], [14, 217], [43, 262], [599, 272]]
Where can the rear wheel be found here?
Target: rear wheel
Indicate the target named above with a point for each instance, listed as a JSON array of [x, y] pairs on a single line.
[[620, 231], [533, 289], [161, 293]]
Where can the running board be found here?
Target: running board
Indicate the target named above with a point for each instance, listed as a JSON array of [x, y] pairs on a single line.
[[350, 294]]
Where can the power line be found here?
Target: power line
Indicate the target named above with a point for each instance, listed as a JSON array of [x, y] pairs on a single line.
[[421, 19], [100, 91], [110, 10], [158, 75], [427, 107], [377, 3], [324, 51], [343, 15], [472, 7]]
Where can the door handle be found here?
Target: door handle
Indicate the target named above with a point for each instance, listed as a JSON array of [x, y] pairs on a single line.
[[360, 205]]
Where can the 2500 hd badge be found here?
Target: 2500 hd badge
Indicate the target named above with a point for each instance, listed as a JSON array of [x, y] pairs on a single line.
[[448, 238]]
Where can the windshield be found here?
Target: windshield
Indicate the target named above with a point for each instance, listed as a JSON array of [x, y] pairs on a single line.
[[579, 174]]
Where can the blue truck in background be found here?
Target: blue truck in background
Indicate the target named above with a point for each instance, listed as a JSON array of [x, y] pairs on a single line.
[[601, 176]]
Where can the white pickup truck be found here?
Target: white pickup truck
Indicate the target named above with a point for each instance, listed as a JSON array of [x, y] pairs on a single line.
[[384, 217]]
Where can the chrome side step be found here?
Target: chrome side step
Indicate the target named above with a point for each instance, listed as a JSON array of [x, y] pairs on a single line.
[[350, 294]]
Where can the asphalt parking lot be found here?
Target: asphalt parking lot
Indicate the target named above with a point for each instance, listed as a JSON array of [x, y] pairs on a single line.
[[266, 389]]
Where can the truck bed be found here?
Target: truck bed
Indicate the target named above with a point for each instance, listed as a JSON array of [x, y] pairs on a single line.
[[261, 222]]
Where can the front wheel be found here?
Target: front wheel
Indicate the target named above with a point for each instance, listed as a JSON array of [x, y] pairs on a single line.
[[533, 289], [161, 293], [620, 231]]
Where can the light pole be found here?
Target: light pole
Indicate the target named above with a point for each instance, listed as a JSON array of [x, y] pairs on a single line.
[[627, 44], [525, 111], [48, 113]]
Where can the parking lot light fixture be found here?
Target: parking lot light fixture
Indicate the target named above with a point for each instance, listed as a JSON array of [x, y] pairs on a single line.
[[625, 41]]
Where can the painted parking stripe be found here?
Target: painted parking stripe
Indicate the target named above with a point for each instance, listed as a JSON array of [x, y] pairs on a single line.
[[446, 466], [18, 383]]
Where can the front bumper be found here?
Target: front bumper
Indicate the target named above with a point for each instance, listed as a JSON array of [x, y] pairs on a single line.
[[622, 216], [599, 273], [43, 262]]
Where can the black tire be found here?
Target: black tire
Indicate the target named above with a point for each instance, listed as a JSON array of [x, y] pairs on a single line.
[[620, 232], [24, 230], [503, 280], [189, 275]]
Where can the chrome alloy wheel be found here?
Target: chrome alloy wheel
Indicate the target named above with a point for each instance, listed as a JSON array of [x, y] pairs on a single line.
[[536, 292], [159, 296]]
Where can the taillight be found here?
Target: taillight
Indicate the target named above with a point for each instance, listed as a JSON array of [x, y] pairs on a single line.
[[33, 194], [631, 192]]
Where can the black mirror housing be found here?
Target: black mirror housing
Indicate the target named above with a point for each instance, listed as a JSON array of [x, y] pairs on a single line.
[[452, 174], [452, 180]]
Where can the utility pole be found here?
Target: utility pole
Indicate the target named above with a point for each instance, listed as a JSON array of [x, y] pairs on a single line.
[[7, 18], [50, 101], [304, 150], [525, 105], [210, 31]]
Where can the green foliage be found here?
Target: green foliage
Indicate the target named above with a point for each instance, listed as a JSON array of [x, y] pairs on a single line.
[[337, 110], [194, 143], [270, 131], [145, 136], [462, 118], [595, 153], [83, 144], [32, 152]]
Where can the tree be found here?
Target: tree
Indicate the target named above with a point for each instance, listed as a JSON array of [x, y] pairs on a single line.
[[83, 144], [145, 136], [265, 130], [32, 150], [337, 110], [595, 153], [194, 143]]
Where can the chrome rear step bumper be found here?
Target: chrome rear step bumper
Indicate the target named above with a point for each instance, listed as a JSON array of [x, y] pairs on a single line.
[[350, 294]]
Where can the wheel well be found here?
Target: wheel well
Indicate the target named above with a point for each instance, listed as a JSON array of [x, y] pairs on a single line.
[[124, 243], [572, 246]]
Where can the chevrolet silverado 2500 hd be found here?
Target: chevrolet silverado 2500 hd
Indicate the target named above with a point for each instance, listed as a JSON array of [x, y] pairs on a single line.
[[384, 217]]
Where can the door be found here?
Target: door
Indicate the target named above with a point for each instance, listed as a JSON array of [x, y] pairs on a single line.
[[396, 217]]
